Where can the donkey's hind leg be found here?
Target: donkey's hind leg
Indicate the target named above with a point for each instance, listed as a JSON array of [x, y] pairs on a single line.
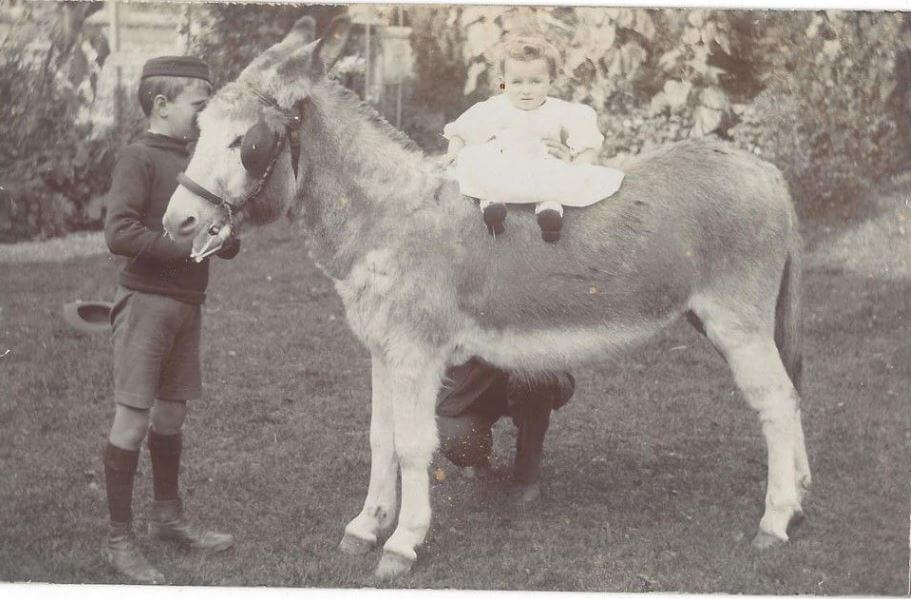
[[378, 513], [760, 375]]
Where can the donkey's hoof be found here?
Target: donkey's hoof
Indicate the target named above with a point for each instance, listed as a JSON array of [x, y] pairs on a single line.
[[353, 545], [392, 565], [764, 540], [796, 521]]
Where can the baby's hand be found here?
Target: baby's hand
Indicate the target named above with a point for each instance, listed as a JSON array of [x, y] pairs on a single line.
[[558, 150]]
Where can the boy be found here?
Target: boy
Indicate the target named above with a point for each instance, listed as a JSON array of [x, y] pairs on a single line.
[[156, 316]]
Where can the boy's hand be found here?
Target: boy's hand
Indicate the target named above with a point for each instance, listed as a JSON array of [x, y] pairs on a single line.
[[448, 160], [456, 144], [230, 248]]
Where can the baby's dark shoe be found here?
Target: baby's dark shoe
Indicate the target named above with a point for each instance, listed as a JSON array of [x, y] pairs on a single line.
[[494, 215], [551, 222]]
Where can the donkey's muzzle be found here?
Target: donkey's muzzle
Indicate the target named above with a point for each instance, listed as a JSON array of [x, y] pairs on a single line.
[[187, 226]]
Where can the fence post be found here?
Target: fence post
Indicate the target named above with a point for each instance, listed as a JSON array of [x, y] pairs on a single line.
[[114, 18]]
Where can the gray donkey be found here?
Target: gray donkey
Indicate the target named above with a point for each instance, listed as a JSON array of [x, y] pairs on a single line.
[[698, 229]]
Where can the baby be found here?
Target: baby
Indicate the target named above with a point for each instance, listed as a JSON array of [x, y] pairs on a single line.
[[523, 146]]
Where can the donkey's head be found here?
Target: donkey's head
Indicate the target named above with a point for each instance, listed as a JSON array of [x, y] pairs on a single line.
[[252, 150]]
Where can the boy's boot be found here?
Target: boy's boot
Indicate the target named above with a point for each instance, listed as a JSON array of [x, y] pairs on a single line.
[[168, 521], [531, 415], [550, 219], [494, 217], [120, 549], [123, 554]]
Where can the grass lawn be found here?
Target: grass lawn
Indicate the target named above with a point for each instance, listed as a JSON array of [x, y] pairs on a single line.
[[654, 476]]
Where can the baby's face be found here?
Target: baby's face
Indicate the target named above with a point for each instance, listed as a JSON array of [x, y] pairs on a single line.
[[527, 82]]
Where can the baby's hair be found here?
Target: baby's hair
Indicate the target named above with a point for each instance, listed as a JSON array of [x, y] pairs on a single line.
[[527, 47], [162, 85]]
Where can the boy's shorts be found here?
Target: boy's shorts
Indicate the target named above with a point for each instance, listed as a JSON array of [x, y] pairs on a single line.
[[156, 349]]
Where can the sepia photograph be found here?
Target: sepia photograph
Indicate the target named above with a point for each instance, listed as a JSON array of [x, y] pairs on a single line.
[[571, 298]]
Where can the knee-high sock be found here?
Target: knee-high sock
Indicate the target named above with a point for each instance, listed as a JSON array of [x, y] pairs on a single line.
[[119, 473], [165, 453]]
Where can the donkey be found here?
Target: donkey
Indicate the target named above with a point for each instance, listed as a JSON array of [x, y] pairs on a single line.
[[699, 229]]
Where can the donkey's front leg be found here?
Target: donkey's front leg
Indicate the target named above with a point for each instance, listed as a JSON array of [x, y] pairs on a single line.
[[379, 507], [417, 385]]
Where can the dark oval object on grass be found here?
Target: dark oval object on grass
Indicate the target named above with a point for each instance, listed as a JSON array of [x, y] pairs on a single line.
[[88, 317]]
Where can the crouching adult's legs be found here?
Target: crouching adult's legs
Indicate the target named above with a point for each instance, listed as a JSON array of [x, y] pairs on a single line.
[[475, 395]]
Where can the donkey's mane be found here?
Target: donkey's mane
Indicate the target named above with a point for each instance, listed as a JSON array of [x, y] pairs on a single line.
[[232, 94], [231, 97], [368, 112]]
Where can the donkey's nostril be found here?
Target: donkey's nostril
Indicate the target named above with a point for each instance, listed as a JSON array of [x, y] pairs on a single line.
[[187, 226]]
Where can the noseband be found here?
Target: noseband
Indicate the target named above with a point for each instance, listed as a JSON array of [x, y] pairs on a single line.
[[291, 134]]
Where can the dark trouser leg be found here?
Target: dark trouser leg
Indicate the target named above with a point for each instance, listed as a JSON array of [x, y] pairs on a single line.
[[531, 415], [471, 400], [466, 440], [530, 404]]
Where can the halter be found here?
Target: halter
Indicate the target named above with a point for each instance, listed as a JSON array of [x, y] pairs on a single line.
[[291, 134]]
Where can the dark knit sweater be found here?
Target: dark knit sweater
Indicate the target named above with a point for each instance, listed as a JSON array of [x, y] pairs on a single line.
[[144, 179]]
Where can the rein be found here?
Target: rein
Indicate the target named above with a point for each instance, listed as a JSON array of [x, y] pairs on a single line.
[[291, 134]]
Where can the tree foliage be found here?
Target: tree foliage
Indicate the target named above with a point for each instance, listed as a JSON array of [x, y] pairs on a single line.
[[53, 164], [830, 113], [229, 36]]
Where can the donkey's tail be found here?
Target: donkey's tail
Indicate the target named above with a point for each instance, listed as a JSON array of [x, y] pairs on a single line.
[[787, 316]]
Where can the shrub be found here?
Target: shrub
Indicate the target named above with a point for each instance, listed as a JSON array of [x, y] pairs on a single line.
[[53, 164], [828, 115]]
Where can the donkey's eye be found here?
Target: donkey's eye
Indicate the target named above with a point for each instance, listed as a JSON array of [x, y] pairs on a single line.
[[236, 143]]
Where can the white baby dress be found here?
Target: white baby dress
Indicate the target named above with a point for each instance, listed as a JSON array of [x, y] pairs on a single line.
[[506, 160]]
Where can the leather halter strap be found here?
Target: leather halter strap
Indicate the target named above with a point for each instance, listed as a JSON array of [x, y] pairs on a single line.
[[199, 190]]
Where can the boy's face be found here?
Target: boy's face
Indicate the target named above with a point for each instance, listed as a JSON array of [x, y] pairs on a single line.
[[527, 82], [180, 113]]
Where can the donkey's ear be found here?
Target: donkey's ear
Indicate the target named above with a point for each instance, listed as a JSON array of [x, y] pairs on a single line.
[[302, 33], [330, 46], [304, 30]]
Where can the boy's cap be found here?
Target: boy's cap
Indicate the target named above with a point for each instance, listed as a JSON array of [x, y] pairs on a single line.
[[176, 66]]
